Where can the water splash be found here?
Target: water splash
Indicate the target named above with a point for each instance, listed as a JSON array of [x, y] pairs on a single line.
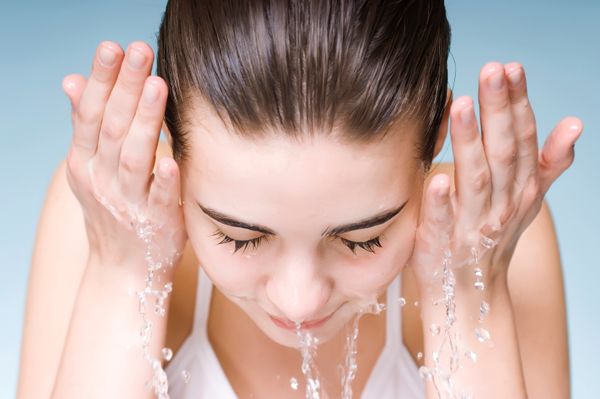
[[186, 376], [294, 383], [158, 259], [308, 350], [482, 334], [441, 375], [155, 262]]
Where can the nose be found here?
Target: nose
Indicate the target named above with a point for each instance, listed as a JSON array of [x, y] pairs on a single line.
[[299, 289]]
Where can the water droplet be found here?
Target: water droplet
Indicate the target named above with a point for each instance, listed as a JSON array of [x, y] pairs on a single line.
[[294, 383], [169, 286], [466, 395], [475, 255], [425, 373], [471, 355], [402, 301], [482, 334], [434, 329], [479, 285], [186, 376], [487, 242], [416, 303], [484, 309], [167, 354], [375, 308], [419, 355], [478, 272]]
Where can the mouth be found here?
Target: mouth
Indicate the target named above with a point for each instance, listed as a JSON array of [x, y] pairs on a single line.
[[306, 325]]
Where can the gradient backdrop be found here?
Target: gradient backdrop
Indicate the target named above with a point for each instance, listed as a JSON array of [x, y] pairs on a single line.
[[556, 41]]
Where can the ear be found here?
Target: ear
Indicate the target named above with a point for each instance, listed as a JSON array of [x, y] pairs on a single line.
[[443, 132]]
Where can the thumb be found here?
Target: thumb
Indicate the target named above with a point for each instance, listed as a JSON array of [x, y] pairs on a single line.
[[558, 152], [434, 232], [73, 86], [437, 210]]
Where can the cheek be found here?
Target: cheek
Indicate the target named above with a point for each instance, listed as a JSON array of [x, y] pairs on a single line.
[[237, 274], [370, 273]]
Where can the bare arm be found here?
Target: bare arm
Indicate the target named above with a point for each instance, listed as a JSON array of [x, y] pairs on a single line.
[[501, 179], [57, 265], [97, 319], [535, 280], [100, 353]]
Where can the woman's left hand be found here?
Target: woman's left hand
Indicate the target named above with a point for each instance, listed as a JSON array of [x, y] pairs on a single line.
[[500, 179]]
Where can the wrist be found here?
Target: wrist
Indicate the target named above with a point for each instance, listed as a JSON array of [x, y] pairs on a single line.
[[128, 271]]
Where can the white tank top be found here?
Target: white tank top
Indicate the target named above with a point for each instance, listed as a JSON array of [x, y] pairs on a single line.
[[394, 376]]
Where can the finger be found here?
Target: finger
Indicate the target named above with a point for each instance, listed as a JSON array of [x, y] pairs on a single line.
[[73, 86], [437, 212], [434, 232], [90, 108], [524, 124], [558, 152], [139, 148], [122, 104], [164, 190], [472, 174], [499, 138]]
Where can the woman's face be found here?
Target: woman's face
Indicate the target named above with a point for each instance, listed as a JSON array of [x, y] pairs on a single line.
[[300, 206]]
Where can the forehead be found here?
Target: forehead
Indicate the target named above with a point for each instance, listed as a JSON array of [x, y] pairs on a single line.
[[319, 176]]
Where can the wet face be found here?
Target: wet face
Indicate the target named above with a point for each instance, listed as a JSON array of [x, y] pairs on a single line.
[[301, 231]]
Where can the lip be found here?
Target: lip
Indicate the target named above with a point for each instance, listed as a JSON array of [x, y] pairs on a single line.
[[307, 325]]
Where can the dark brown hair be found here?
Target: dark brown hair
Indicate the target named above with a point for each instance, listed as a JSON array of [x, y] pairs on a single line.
[[297, 66]]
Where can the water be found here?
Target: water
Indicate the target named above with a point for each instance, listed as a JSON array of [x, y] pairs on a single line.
[[450, 349], [308, 351], [158, 259], [146, 231], [294, 383]]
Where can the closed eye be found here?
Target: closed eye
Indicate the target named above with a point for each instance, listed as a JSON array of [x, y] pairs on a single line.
[[368, 245], [239, 244]]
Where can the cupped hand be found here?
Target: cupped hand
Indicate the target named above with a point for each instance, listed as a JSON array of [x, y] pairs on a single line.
[[500, 179], [117, 114]]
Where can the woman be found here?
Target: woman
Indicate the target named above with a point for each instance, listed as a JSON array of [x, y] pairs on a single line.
[[301, 137]]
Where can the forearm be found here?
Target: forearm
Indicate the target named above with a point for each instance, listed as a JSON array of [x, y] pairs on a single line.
[[103, 355], [496, 371]]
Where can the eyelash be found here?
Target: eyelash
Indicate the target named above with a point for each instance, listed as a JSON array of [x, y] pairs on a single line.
[[239, 244]]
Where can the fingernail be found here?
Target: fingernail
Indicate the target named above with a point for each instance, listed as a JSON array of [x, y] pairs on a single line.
[[466, 115], [150, 92], [442, 185], [515, 77], [69, 85], [575, 130], [136, 59], [163, 170], [107, 56], [496, 80]]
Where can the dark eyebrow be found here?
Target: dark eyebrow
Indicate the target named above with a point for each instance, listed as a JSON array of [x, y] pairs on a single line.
[[378, 219], [230, 221]]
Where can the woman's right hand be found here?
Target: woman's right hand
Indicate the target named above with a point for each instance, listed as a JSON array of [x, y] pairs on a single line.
[[117, 116]]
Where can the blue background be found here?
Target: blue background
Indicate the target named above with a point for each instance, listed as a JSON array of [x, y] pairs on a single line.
[[556, 41]]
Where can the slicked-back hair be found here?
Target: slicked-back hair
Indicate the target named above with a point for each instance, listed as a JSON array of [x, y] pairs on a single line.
[[303, 66]]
